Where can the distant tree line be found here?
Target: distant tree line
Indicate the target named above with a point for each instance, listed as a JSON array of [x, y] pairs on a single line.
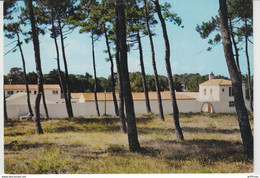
[[85, 83]]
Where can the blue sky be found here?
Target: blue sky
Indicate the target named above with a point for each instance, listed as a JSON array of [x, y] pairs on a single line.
[[188, 50]]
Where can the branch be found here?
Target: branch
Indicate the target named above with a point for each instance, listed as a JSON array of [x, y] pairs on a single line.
[[240, 47], [10, 51], [67, 32], [10, 43], [250, 41], [131, 41]]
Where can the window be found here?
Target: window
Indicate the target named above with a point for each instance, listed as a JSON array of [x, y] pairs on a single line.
[[17, 91], [231, 104], [30, 91], [34, 92], [10, 92], [223, 90], [211, 91], [231, 91], [55, 92], [205, 91]]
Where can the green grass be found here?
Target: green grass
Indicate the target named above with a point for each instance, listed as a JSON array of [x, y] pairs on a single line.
[[95, 145]]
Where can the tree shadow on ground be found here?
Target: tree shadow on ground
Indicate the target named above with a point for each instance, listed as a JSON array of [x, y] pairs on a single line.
[[97, 120], [11, 134], [108, 124], [12, 123], [17, 146], [154, 130], [209, 130], [204, 151], [107, 120], [84, 128], [211, 115], [9, 123], [77, 124], [149, 151]]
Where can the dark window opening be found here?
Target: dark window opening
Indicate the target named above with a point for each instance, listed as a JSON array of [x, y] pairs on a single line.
[[231, 91], [231, 104], [55, 92], [10, 92]]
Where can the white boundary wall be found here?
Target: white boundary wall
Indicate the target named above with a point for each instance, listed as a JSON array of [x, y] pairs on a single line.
[[89, 109]]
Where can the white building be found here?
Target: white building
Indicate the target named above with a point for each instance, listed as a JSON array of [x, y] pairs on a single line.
[[51, 91], [215, 95]]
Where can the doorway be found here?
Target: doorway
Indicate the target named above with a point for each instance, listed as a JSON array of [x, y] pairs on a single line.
[[207, 107]]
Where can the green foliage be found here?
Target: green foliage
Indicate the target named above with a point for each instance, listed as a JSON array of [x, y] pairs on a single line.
[[190, 81], [15, 76], [169, 16], [239, 11], [206, 28], [136, 82], [85, 83], [240, 8], [9, 8]]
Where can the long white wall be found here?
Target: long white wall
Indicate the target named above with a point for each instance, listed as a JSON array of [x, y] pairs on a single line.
[[89, 108]]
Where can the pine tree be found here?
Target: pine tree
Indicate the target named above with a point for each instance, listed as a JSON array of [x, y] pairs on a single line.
[[122, 47], [235, 76], [15, 30], [36, 116], [136, 24], [157, 85], [56, 13], [178, 129]]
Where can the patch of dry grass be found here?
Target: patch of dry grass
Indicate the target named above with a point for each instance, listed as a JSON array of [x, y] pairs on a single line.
[[95, 145]]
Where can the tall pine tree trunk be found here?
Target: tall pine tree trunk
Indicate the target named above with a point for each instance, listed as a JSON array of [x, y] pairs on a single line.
[[234, 44], [112, 74], [58, 65], [178, 129], [5, 109], [250, 91], [36, 117], [130, 113], [66, 81], [95, 73], [45, 105], [24, 75], [147, 102], [120, 92], [157, 86], [235, 76], [120, 86]]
